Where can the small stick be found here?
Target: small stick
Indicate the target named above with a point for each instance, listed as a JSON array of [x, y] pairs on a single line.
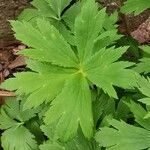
[[7, 94]]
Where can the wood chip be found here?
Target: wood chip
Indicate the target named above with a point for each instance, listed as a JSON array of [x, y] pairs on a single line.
[[18, 62]]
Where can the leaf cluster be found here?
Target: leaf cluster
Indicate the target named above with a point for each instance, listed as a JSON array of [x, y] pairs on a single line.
[[79, 91]]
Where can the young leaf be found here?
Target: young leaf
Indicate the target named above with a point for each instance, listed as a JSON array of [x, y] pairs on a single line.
[[123, 136]]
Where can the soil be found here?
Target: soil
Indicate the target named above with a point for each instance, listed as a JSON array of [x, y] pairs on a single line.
[[9, 10]]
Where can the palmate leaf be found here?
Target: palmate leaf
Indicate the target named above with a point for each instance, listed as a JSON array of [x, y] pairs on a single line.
[[136, 6], [123, 137], [15, 135], [61, 78]]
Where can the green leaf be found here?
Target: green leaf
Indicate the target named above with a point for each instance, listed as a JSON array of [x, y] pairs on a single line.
[[103, 106], [144, 65], [58, 5], [139, 114], [29, 15], [5, 121], [45, 86], [110, 22], [52, 146], [87, 27], [50, 9], [41, 9], [44, 8], [103, 70], [71, 14], [77, 143], [123, 137], [144, 86], [33, 125], [18, 138], [145, 101], [15, 135], [136, 6], [77, 97], [53, 11], [123, 110], [48, 44], [13, 110], [105, 39]]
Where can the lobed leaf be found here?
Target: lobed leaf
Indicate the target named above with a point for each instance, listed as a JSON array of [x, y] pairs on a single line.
[[71, 108], [47, 43], [123, 136]]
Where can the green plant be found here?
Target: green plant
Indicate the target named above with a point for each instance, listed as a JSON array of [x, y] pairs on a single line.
[[136, 6], [13, 120], [73, 89]]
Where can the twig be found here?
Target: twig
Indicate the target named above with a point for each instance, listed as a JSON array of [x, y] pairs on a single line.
[[7, 94]]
